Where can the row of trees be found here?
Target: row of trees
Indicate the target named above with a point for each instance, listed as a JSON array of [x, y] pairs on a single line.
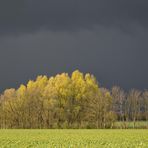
[[62, 101], [131, 106], [74, 101]]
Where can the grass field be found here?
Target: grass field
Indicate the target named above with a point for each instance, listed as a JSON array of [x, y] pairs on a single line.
[[73, 138], [130, 125]]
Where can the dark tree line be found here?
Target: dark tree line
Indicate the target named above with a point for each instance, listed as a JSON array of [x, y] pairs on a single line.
[[131, 106], [70, 101]]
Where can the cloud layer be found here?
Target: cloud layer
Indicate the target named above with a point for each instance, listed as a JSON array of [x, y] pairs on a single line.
[[105, 37], [70, 15]]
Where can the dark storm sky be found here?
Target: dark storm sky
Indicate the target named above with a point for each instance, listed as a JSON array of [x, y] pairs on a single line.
[[108, 38]]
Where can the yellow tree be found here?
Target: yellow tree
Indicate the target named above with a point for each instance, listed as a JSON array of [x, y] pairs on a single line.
[[10, 108]]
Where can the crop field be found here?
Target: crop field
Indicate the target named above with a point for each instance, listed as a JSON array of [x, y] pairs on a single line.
[[73, 138]]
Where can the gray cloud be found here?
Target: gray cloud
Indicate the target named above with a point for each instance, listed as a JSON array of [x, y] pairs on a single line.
[[105, 37], [32, 15], [112, 56]]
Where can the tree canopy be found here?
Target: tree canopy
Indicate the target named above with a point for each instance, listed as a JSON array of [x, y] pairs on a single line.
[[62, 101], [69, 101]]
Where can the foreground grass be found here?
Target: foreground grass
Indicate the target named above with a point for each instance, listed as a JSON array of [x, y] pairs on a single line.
[[73, 138]]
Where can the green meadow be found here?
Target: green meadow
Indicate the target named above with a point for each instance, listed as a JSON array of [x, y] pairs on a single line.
[[73, 138]]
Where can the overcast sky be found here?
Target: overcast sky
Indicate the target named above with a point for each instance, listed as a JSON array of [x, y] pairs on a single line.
[[108, 38]]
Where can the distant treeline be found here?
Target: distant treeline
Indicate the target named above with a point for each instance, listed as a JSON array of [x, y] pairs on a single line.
[[70, 101]]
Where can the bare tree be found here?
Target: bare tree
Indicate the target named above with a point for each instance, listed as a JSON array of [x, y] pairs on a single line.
[[145, 104], [119, 98], [134, 104]]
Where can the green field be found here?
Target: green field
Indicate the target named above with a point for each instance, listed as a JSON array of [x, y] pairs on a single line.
[[73, 138], [130, 125]]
